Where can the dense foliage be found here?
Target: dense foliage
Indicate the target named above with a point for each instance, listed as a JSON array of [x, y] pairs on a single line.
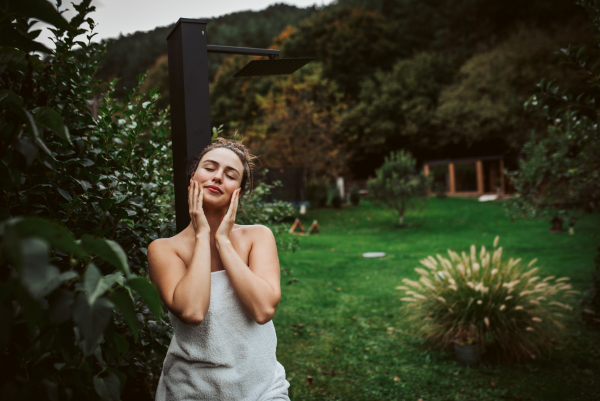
[[438, 78], [79, 322], [398, 185], [494, 302], [130, 55], [559, 173]]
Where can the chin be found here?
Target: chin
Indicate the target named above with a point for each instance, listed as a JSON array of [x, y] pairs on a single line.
[[218, 201]]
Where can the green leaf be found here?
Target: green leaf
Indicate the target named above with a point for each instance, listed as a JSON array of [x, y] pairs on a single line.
[[108, 250], [50, 119], [91, 320], [42, 145], [60, 306], [65, 194], [95, 285], [10, 99], [107, 386], [35, 273], [91, 278], [57, 236], [10, 37], [11, 59], [148, 292], [124, 303], [118, 373], [121, 344], [42, 10], [26, 148]]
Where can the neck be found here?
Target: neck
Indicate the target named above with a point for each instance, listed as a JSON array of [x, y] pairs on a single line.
[[213, 216]]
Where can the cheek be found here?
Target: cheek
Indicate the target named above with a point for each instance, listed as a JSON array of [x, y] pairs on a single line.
[[232, 186], [201, 176]]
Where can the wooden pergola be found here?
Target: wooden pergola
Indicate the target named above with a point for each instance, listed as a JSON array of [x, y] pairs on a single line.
[[469, 176]]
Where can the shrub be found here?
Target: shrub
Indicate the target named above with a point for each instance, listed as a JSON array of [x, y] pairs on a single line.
[[440, 190], [108, 177], [493, 299], [398, 185], [355, 195], [255, 210], [69, 330], [317, 191]]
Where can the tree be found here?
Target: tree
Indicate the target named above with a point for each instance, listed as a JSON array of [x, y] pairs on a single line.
[[559, 172], [485, 101], [396, 109], [350, 42], [130, 55], [398, 185], [298, 124]]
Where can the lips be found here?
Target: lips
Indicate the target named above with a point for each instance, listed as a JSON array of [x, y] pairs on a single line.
[[213, 189]]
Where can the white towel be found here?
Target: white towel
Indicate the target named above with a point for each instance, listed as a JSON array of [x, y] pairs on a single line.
[[228, 357]]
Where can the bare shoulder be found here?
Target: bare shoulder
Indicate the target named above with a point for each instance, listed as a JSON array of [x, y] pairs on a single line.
[[161, 251], [161, 245], [256, 232]]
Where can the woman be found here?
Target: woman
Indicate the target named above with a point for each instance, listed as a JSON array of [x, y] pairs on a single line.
[[220, 283]]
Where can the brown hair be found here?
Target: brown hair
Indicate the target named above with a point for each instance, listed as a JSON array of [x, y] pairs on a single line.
[[240, 150]]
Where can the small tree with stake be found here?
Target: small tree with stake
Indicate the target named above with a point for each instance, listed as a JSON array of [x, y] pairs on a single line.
[[398, 185]]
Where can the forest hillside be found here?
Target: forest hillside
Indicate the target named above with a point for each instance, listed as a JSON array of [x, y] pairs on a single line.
[[439, 78]]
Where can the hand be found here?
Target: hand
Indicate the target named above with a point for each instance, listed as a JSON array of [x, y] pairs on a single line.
[[195, 197], [228, 220]]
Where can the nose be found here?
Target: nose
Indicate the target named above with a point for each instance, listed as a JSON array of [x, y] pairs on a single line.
[[218, 177]]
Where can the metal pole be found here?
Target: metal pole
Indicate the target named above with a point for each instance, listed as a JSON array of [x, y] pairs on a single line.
[[190, 108]]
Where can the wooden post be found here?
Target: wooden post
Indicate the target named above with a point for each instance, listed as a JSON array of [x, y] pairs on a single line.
[[452, 178], [502, 188], [480, 186]]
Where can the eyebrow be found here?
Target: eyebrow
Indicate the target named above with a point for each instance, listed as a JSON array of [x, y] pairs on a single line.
[[226, 168]]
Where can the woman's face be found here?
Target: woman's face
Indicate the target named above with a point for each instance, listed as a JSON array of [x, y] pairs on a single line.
[[220, 174]]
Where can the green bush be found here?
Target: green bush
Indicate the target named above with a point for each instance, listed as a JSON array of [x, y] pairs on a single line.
[[440, 190], [255, 210], [317, 192], [67, 326], [482, 297], [355, 195], [110, 178], [398, 185]]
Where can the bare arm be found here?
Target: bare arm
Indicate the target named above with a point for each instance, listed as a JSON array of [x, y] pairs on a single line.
[[257, 286], [185, 290]]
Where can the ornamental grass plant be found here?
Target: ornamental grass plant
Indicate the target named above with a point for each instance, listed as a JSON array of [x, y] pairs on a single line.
[[481, 297]]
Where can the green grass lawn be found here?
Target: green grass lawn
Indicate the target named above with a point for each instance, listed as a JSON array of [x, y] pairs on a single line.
[[341, 323]]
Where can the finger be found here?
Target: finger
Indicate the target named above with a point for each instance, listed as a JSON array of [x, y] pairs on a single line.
[[190, 196], [195, 196], [235, 205], [200, 197]]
